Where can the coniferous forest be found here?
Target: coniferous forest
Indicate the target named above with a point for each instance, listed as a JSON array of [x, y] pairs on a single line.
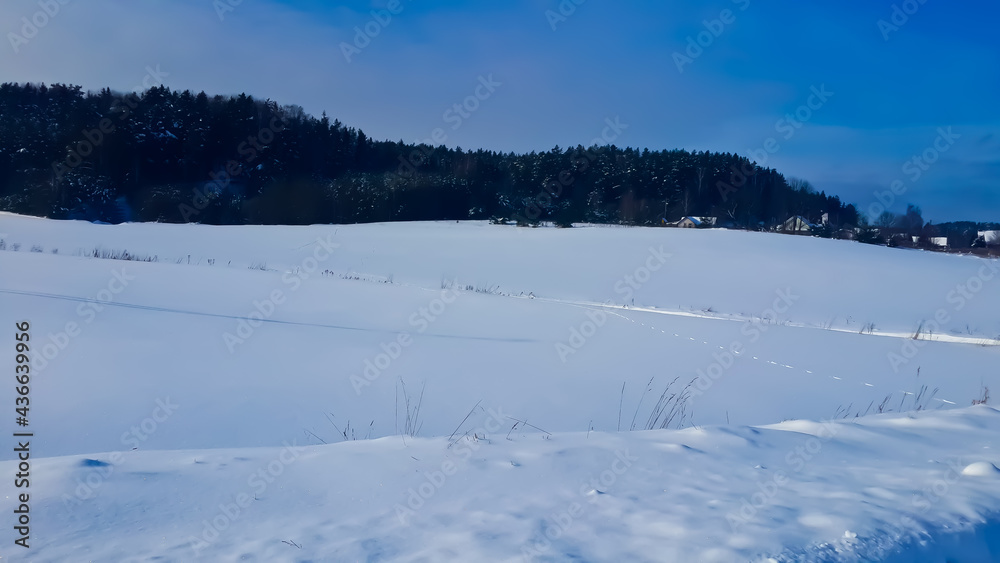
[[169, 156]]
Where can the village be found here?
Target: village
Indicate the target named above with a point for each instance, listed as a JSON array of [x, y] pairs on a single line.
[[961, 238]]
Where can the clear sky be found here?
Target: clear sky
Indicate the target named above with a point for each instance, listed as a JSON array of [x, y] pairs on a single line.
[[925, 83]]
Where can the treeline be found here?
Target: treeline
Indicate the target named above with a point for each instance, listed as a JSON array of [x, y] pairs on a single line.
[[169, 156]]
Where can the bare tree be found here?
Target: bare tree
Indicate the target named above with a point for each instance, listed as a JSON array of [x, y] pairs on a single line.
[[886, 220], [800, 185]]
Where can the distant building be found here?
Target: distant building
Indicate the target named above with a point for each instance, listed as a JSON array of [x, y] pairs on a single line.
[[990, 237], [691, 222], [797, 224]]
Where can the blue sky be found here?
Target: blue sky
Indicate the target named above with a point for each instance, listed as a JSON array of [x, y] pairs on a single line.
[[892, 91]]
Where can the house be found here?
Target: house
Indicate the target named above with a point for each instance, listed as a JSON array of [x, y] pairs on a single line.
[[691, 222], [941, 242], [990, 237], [797, 224]]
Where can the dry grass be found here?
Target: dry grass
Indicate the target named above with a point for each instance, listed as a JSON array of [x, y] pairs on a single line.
[[984, 397], [411, 411], [670, 410], [112, 254]]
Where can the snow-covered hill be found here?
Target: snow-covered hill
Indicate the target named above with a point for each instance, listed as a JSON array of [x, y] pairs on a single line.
[[201, 366], [918, 489]]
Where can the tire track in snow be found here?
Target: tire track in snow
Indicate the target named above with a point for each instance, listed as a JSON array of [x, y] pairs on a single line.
[[156, 309]]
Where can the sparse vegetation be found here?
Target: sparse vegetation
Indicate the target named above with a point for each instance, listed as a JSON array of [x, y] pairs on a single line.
[[908, 402], [106, 254], [411, 411], [349, 433], [489, 289], [358, 277], [984, 397], [478, 288], [671, 408], [519, 422]]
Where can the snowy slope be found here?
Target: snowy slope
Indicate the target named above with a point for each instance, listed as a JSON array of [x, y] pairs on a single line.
[[184, 332], [842, 283], [201, 364], [889, 488]]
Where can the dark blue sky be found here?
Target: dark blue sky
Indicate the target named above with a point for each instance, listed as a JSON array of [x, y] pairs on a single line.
[[893, 93]]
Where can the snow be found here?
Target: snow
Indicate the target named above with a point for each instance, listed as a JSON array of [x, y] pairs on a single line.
[[857, 491], [233, 354], [981, 469]]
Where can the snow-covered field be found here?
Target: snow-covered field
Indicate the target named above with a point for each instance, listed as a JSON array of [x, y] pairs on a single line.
[[196, 407]]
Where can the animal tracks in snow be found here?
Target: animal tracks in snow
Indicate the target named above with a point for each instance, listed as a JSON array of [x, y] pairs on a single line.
[[635, 310]]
